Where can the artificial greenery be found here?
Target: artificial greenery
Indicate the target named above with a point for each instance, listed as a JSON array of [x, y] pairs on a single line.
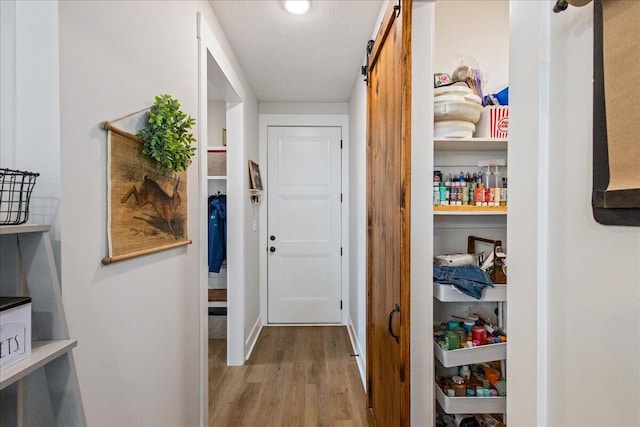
[[166, 137]]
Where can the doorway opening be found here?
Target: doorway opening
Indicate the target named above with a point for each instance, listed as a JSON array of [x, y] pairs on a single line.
[[221, 259]]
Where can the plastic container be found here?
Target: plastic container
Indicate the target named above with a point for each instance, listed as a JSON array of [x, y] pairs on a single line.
[[470, 355], [457, 89], [471, 405], [457, 110], [454, 129]]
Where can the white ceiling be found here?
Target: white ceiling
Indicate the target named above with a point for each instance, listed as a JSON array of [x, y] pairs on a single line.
[[315, 57]]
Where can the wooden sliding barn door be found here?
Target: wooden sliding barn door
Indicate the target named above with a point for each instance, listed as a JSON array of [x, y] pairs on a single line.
[[388, 208]]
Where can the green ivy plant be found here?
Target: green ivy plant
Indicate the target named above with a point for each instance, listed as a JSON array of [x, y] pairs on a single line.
[[167, 138]]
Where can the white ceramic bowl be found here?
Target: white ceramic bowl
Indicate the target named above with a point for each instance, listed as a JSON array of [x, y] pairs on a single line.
[[453, 129], [464, 110]]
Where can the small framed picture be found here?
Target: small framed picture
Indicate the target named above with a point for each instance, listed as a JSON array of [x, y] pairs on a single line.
[[254, 176]]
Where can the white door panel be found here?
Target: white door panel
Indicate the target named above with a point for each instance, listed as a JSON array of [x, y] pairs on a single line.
[[304, 211]]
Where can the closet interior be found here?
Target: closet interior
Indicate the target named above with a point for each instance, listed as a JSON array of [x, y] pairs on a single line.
[[220, 99], [470, 205]]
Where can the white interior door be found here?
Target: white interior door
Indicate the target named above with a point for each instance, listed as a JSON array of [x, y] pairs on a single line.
[[304, 227]]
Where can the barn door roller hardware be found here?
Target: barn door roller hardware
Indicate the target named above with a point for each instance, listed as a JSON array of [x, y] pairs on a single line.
[[365, 68], [563, 4]]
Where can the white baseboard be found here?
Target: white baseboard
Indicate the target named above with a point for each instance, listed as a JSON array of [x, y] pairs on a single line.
[[253, 338], [360, 359]]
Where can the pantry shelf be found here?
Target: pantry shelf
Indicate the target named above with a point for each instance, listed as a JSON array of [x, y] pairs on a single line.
[[471, 405], [468, 356], [469, 210], [469, 144], [217, 177], [446, 293], [217, 148]]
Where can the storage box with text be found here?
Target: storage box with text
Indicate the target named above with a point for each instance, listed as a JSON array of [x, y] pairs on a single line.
[[15, 329]]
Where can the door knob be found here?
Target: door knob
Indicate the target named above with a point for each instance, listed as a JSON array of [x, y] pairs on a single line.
[[272, 238], [272, 249]]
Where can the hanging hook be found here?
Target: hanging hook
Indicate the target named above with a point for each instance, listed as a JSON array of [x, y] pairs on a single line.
[[560, 6]]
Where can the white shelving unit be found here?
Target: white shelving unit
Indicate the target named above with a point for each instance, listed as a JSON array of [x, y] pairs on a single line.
[[41, 389], [469, 210], [469, 144], [452, 225]]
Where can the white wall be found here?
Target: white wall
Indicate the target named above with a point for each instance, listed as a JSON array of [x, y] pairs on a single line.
[[304, 108], [216, 121], [358, 221], [475, 29], [422, 246], [594, 270], [30, 93], [578, 280], [8, 83], [137, 321], [253, 319], [358, 212]]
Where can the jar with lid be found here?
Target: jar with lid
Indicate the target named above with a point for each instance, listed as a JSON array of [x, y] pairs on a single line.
[[479, 333], [459, 386], [453, 340], [465, 372]]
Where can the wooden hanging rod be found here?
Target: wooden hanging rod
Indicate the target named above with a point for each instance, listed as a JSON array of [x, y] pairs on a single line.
[[111, 260], [108, 126]]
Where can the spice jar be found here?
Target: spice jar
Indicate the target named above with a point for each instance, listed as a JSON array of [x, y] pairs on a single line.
[[462, 333], [492, 375], [478, 333], [458, 386], [452, 340]]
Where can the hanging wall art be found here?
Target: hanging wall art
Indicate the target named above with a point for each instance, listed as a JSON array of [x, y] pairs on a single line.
[[147, 205]]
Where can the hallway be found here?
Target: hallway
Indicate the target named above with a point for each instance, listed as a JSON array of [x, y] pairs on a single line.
[[296, 376]]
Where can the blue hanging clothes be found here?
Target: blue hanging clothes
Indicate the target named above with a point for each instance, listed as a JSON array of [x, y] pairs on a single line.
[[217, 232]]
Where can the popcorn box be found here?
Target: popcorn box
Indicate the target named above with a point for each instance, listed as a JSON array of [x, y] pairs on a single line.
[[493, 123]]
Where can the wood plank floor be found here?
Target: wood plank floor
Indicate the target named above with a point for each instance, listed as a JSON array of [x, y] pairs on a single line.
[[296, 377]]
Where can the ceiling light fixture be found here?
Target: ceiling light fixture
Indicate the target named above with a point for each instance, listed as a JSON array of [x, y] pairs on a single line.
[[297, 7]]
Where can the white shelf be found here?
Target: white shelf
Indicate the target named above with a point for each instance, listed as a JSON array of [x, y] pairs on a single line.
[[217, 304], [224, 177], [469, 144], [471, 405], [33, 260], [446, 293], [217, 148], [23, 228], [42, 352], [469, 210], [468, 356]]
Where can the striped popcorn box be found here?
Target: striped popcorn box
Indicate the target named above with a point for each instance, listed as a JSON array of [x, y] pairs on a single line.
[[493, 123]]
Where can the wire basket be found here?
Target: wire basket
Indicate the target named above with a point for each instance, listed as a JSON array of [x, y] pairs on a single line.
[[15, 191]]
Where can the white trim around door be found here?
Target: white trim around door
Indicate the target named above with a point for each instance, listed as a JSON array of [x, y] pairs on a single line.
[[337, 120]]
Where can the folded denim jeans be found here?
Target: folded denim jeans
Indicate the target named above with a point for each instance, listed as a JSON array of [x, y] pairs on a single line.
[[469, 279]]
